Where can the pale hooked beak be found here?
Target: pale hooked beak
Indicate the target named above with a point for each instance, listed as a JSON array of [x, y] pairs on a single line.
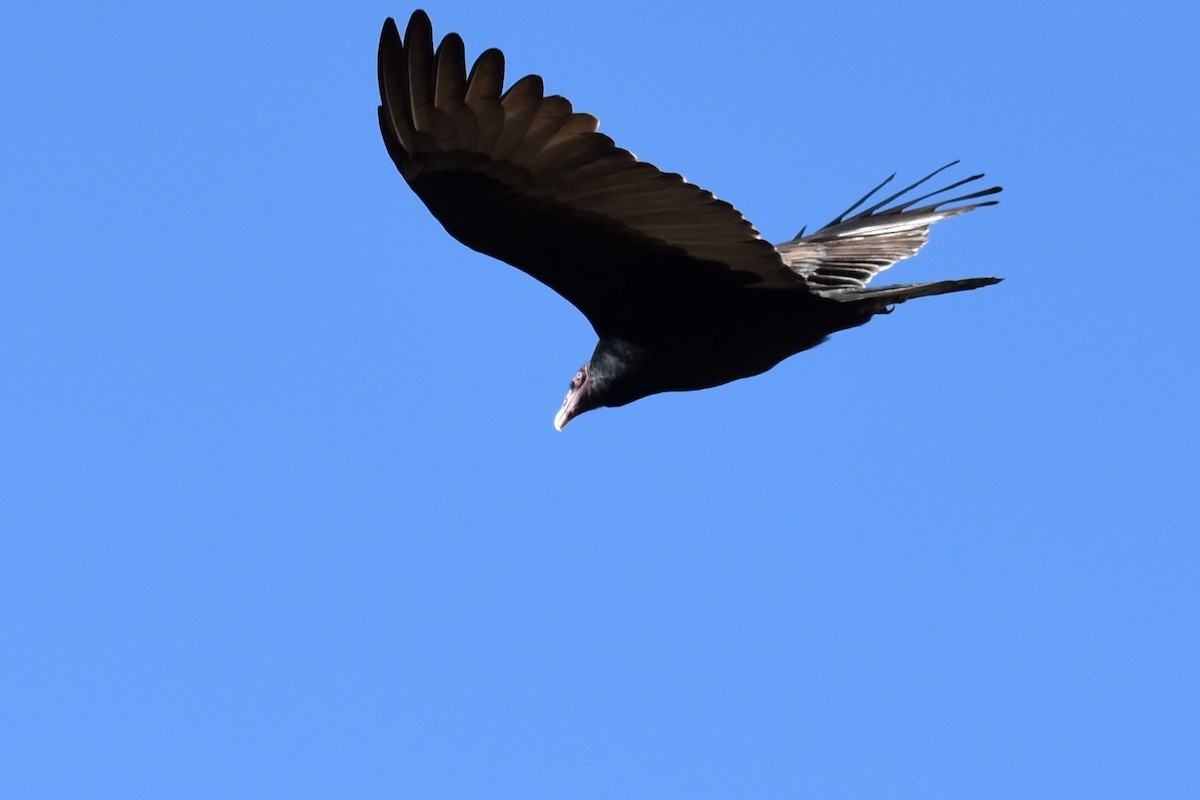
[[568, 410], [573, 403]]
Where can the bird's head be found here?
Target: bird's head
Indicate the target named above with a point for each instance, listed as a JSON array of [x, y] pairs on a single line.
[[619, 373], [578, 399]]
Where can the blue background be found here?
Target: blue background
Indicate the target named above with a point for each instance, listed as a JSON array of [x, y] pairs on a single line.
[[283, 513]]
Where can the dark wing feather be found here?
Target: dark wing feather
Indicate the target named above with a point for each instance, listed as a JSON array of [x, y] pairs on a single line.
[[851, 250], [524, 178]]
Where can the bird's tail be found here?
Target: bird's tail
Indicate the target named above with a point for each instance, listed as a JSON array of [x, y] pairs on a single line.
[[891, 295]]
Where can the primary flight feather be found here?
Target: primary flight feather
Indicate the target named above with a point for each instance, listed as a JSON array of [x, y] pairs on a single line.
[[682, 291]]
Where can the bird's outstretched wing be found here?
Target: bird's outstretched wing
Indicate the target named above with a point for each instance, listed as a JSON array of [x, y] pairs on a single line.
[[522, 177], [851, 250]]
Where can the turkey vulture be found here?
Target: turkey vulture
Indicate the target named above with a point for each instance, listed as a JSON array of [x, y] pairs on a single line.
[[682, 291]]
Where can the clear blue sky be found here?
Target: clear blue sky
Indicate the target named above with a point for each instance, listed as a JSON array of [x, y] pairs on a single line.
[[283, 514]]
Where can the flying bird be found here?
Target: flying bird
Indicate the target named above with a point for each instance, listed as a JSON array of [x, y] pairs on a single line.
[[681, 290]]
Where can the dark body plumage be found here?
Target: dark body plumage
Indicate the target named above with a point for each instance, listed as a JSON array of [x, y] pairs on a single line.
[[681, 290]]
